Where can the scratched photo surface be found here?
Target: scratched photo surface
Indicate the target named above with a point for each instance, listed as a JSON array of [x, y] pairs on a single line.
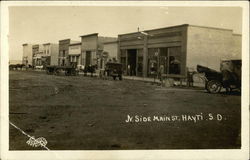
[[124, 78]]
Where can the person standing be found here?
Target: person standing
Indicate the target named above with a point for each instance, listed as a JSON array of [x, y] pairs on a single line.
[[190, 79], [161, 72], [129, 70]]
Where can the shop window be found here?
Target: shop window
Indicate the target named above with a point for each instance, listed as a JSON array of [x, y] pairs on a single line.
[[140, 66], [174, 60], [163, 60], [123, 53], [123, 59], [153, 61], [123, 62]]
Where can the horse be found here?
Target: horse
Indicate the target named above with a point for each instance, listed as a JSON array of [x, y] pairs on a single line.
[[91, 69]]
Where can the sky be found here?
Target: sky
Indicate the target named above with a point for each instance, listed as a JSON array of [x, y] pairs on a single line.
[[44, 24]]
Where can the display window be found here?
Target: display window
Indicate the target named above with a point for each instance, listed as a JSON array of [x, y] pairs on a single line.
[[174, 60], [153, 54]]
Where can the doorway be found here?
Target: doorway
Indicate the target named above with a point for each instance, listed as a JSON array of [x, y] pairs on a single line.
[[132, 59], [88, 58]]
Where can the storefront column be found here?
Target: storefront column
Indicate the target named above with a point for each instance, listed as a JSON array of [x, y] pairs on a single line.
[[145, 57], [158, 62], [136, 64], [126, 62], [118, 50]]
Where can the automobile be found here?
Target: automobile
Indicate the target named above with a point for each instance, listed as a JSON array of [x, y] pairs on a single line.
[[114, 69], [229, 76]]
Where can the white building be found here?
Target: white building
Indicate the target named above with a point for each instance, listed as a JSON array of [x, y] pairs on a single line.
[[37, 53], [74, 54], [27, 54]]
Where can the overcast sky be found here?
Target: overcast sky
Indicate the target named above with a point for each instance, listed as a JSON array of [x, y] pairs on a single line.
[[51, 24]]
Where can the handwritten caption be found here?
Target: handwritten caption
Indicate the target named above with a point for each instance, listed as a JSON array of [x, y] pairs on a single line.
[[175, 118]]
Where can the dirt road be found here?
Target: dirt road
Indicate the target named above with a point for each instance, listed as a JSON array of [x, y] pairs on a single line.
[[87, 113]]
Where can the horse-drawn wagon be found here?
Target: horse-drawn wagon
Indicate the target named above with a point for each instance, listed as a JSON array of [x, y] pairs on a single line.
[[56, 70], [229, 76]]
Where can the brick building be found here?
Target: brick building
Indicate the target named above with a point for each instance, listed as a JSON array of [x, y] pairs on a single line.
[[63, 57], [92, 49], [176, 49]]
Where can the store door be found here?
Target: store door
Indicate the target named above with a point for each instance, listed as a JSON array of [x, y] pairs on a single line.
[[132, 54], [88, 58]]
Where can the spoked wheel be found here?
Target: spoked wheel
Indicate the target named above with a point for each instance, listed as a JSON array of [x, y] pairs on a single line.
[[56, 72], [214, 86], [48, 71], [67, 73], [120, 78]]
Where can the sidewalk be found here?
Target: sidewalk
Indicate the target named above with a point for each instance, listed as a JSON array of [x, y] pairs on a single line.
[[173, 83], [141, 79]]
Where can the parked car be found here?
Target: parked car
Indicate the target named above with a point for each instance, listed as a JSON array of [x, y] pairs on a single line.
[[114, 70], [229, 76]]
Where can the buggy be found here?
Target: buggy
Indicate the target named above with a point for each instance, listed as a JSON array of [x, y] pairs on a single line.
[[114, 70], [68, 70]]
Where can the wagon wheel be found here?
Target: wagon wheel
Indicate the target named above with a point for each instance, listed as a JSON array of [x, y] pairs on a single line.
[[75, 73], [120, 77], [214, 86], [47, 71], [67, 73], [56, 72]]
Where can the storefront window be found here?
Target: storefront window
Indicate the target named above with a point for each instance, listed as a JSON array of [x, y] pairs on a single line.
[[153, 61], [163, 60], [139, 62], [123, 60], [140, 66], [174, 60]]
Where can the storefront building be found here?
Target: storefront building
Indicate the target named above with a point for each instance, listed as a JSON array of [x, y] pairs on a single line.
[[110, 52], [50, 53], [172, 51], [74, 54], [37, 53], [63, 57], [39, 59], [92, 49], [27, 54]]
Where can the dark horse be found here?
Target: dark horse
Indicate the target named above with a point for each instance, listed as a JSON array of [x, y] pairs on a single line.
[[16, 66], [90, 69]]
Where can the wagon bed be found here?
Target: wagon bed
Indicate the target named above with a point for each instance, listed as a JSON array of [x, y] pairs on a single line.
[[68, 70]]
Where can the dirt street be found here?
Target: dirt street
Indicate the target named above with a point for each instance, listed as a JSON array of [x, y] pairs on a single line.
[[87, 113]]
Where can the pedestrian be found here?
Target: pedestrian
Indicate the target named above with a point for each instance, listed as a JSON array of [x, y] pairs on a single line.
[[161, 72], [190, 79], [129, 70]]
